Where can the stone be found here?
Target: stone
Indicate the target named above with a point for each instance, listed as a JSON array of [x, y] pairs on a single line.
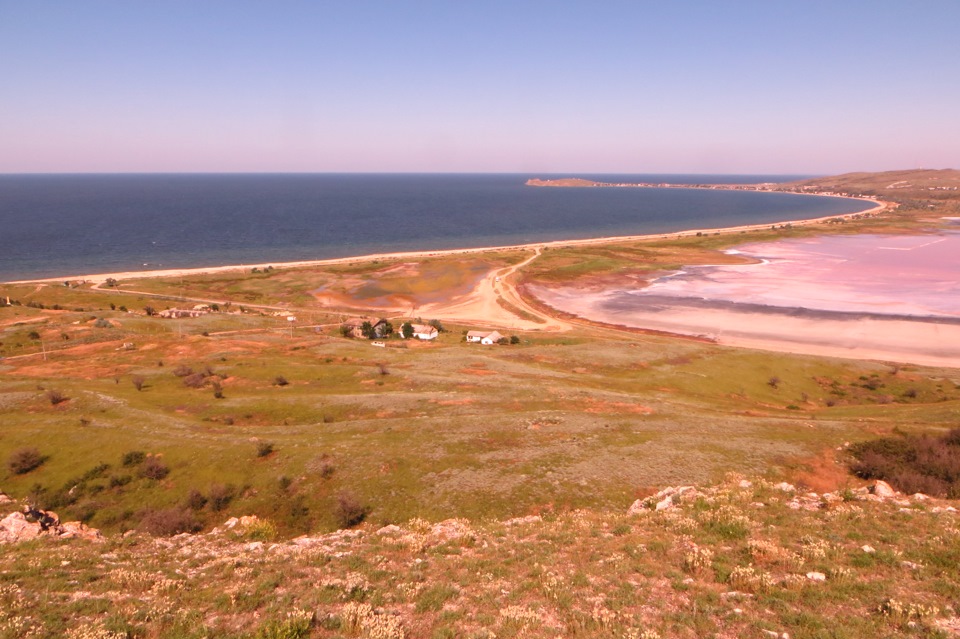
[[15, 527], [529, 519], [663, 504], [636, 508], [868, 549], [79, 530], [882, 489], [390, 529], [816, 576], [248, 520], [4, 498], [785, 487], [745, 483]]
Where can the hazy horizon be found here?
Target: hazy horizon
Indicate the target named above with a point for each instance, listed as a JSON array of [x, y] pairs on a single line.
[[433, 87]]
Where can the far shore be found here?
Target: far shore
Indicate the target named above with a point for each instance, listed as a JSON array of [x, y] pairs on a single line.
[[99, 278]]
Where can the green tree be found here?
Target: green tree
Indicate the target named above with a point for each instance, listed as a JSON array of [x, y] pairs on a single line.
[[406, 330], [366, 329]]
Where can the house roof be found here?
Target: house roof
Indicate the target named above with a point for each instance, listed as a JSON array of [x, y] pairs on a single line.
[[480, 334], [493, 335], [424, 328]]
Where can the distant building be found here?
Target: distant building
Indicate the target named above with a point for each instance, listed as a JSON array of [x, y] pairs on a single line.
[[425, 331], [354, 326], [484, 337], [178, 313]]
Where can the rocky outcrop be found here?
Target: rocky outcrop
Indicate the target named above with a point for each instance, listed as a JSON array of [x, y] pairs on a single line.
[[34, 524], [666, 498]]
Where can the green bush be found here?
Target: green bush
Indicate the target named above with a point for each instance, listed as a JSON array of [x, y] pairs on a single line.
[[169, 521], [23, 460]]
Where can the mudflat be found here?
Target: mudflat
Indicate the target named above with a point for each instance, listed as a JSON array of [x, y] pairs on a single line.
[[866, 296]]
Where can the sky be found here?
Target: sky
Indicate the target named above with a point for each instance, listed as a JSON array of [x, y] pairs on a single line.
[[687, 86]]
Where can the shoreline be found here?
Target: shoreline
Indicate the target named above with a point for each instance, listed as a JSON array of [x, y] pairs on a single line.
[[100, 278]]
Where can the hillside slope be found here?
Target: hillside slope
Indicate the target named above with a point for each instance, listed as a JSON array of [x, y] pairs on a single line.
[[740, 559]]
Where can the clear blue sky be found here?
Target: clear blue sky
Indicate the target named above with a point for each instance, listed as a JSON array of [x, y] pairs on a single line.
[[772, 86]]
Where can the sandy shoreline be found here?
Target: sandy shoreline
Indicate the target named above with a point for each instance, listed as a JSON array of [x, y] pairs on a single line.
[[98, 278]]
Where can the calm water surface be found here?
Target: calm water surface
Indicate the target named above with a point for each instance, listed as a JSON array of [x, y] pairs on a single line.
[[61, 225]]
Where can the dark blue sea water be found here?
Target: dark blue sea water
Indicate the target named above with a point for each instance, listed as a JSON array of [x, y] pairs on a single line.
[[62, 225]]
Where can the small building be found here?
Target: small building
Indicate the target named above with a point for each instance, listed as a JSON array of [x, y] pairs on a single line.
[[484, 337], [382, 328], [353, 326], [425, 331]]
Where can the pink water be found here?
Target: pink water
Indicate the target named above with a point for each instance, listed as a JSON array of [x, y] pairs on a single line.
[[902, 275]]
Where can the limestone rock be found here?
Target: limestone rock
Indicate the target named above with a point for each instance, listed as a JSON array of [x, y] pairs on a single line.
[[389, 529], [79, 530], [15, 527], [816, 576], [882, 489]]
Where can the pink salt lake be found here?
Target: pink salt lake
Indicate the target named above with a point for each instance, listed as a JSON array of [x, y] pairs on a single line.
[[881, 274], [880, 297]]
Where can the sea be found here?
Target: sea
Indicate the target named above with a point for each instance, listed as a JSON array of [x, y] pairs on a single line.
[[66, 225]]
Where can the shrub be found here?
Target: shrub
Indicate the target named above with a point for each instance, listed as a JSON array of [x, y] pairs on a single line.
[[182, 370], [349, 510], [138, 381], [195, 500], [220, 496], [911, 463], [34, 335], [217, 390], [194, 380], [56, 397], [169, 521], [261, 530], [154, 468], [133, 458], [280, 380], [23, 460], [264, 449]]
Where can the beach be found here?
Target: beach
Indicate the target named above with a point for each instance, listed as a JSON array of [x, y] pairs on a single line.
[[99, 278], [854, 335]]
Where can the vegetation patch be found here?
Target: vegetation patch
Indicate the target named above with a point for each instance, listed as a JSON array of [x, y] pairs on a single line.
[[912, 463]]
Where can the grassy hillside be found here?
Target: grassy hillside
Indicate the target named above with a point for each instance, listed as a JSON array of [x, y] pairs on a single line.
[[741, 559]]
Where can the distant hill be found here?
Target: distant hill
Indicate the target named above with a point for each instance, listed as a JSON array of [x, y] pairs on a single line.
[[926, 183]]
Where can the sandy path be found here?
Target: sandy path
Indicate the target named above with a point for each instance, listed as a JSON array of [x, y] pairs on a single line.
[[481, 304]]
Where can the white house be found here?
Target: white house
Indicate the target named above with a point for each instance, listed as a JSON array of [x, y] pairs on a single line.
[[484, 337], [424, 331]]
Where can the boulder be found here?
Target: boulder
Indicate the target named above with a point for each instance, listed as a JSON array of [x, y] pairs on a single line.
[[79, 530], [389, 529], [882, 489], [15, 527], [816, 576]]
